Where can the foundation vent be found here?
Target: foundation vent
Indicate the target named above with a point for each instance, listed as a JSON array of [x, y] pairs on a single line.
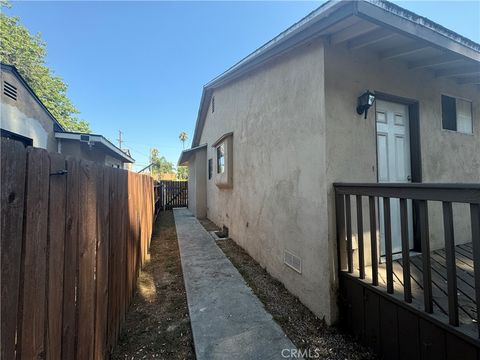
[[10, 90], [292, 261]]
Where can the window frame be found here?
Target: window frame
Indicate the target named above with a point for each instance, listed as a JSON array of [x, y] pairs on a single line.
[[219, 158], [210, 169], [472, 133]]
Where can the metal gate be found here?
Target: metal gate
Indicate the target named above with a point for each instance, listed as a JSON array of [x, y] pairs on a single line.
[[171, 194]]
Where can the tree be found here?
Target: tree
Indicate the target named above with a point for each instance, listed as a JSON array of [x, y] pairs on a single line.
[[27, 53], [182, 173], [159, 163], [183, 137]]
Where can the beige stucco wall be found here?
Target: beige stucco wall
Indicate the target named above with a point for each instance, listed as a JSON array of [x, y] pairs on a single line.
[[351, 146], [296, 132], [278, 198], [197, 182], [201, 183], [25, 116], [192, 176]]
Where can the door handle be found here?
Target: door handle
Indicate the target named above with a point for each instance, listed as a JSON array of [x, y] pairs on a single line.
[[409, 178]]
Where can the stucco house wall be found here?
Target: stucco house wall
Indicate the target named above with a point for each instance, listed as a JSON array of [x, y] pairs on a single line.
[[197, 182], [278, 198], [201, 184], [192, 176], [446, 156], [296, 132], [25, 116], [291, 106]]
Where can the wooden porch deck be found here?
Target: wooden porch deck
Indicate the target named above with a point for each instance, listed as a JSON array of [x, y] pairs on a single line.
[[465, 283]]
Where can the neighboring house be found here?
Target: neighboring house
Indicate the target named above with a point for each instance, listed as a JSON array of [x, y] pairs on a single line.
[[279, 128], [24, 117], [92, 147], [166, 176]]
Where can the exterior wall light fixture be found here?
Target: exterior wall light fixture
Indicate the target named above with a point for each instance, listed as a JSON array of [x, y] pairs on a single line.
[[364, 102]]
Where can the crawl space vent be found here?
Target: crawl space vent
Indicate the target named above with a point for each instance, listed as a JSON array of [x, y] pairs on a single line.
[[292, 261], [9, 90]]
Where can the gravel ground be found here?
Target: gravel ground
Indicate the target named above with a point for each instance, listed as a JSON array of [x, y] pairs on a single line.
[[305, 330], [157, 325]]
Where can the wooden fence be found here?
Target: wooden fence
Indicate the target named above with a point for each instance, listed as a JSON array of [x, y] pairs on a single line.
[[74, 236], [171, 194]]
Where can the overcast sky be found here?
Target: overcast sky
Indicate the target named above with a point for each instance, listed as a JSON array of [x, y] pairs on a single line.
[[140, 67]]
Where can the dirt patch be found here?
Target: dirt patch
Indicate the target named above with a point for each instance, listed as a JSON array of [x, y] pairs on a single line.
[[305, 330], [157, 324]]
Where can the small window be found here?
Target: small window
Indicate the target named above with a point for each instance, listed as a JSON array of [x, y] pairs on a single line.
[[210, 168], [221, 158], [213, 104], [457, 115]]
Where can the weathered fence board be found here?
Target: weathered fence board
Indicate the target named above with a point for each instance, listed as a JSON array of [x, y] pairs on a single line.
[[86, 260], [56, 241], [101, 306], [31, 333], [73, 237], [69, 320], [13, 158]]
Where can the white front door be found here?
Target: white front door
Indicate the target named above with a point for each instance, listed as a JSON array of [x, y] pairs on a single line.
[[393, 157]]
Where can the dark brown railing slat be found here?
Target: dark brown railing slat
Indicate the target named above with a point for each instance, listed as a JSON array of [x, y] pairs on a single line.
[[373, 240], [421, 278], [459, 193], [348, 213], [361, 257], [475, 216], [426, 269], [340, 213], [388, 243], [450, 258], [407, 288]]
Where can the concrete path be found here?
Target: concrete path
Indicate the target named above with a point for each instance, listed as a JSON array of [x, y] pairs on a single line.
[[228, 320]]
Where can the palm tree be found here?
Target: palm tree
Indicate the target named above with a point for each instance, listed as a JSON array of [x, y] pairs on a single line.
[[183, 137]]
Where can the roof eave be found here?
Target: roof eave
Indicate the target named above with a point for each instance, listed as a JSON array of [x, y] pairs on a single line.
[[187, 154], [391, 16], [15, 72], [99, 139], [382, 13]]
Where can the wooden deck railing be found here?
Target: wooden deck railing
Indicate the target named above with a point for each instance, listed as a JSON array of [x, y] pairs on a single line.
[[420, 194]]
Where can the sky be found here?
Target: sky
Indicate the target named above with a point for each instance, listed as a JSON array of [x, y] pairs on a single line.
[[139, 67]]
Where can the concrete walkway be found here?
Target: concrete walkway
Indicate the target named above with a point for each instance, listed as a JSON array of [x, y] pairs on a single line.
[[228, 320]]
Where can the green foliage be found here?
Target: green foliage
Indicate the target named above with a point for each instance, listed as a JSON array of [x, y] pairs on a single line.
[[160, 165], [182, 173], [27, 53]]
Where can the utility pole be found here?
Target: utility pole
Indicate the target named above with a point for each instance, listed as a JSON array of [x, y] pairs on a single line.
[[120, 141]]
